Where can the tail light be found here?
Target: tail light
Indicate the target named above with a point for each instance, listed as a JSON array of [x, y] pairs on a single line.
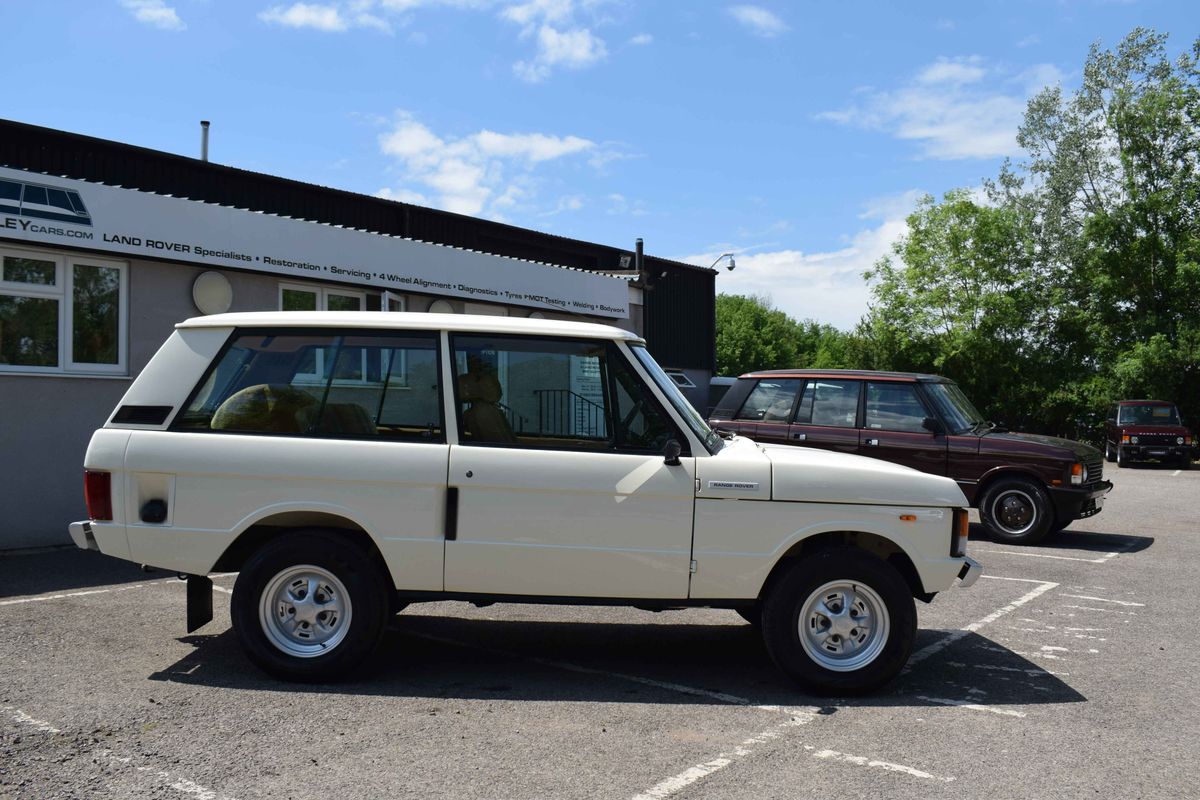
[[959, 533], [97, 493]]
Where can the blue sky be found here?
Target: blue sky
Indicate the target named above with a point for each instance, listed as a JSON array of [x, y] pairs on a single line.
[[794, 134]]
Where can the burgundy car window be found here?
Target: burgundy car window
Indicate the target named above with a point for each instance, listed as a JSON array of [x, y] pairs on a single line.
[[894, 407], [835, 403], [771, 400]]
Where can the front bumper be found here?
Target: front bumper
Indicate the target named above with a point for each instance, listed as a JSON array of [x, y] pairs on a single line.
[[1079, 503], [1160, 451], [969, 573]]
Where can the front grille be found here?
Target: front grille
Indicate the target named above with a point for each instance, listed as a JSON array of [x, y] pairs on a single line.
[[1156, 439], [1095, 468]]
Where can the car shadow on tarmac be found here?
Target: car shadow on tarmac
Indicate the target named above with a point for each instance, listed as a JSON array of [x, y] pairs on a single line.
[[66, 569], [1076, 539], [453, 657]]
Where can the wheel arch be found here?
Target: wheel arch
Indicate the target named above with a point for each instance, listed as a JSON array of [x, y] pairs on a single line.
[[276, 524], [884, 548], [1006, 473]]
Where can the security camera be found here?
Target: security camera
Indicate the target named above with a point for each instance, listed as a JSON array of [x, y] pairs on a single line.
[[732, 264]]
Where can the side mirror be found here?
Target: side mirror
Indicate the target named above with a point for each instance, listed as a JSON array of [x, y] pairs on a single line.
[[671, 453], [933, 425]]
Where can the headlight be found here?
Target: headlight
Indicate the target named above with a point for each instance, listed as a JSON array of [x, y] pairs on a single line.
[[1178, 440], [1079, 473], [1133, 439]]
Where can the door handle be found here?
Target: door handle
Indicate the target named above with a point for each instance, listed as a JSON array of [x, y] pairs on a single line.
[[872, 442], [800, 436]]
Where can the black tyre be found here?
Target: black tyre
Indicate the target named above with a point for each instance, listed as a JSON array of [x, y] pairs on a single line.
[[310, 606], [1109, 455], [1122, 459], [840, 622], [1017, 511]]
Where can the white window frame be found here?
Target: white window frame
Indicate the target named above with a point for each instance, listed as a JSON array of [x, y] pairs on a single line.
[[63, 292], [323, 294]]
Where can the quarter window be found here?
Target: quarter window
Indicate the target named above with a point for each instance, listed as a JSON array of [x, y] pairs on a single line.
[[61, 313], [771, 400], [267, 382], [894, 407]]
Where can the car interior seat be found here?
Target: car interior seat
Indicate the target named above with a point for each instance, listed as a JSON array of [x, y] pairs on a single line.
[[266, 407], [484, 421]]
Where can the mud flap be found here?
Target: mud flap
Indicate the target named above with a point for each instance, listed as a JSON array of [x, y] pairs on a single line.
[[199, 601]]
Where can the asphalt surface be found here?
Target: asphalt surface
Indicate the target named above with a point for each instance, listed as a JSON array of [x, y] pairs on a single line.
[[1065, 672]]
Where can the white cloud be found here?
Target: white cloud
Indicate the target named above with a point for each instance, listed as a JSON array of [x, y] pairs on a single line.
[[155, 13], [759, 21], [953, 108], [642, 39], [307, 15], [573, 49], [1030, 40], [483, 173], [824, 286]]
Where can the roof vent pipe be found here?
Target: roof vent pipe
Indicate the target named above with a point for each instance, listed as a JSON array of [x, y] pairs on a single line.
[[204, 140]]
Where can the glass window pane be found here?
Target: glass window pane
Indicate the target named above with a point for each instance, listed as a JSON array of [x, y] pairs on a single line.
[[28, 270], [394, 393], [28, 331], [342, 302], [10, 190], [298, 300], [35, 194], [771, 400], [95, 309], [532, 392], [894, 407], [835, 403], [640, 423]]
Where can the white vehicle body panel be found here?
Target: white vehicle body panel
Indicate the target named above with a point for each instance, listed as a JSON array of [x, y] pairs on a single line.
[[531, 522]]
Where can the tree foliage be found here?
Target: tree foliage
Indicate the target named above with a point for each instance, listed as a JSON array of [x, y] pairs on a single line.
[[753, 334]]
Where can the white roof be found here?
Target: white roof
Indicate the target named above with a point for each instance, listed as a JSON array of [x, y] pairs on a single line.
[[408, 320]]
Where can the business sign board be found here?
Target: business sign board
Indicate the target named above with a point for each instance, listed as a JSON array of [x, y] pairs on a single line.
[[62, 211]]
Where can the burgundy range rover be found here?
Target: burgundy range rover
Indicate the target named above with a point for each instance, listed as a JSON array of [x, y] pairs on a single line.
[[1140, 429], [1024, 485]]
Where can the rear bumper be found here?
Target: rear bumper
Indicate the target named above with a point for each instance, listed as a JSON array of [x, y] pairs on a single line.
[[82, 535], [1078, 503]]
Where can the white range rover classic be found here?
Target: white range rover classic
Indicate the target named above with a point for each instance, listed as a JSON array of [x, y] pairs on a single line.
[[348, 464]]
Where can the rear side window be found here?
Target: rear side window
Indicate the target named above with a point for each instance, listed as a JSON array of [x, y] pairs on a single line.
[[834, 403], [894, 407], [771, 400], [323, 384]]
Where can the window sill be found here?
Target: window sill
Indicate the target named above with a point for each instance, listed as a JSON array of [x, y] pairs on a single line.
[[104, 376]]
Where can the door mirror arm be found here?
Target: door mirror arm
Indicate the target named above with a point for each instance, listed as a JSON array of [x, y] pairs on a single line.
[[671, 452]]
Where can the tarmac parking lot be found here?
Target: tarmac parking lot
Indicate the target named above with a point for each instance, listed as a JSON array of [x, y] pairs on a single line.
[[1067, 671]]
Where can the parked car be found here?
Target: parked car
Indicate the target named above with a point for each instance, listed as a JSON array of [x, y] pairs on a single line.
[[347, 464], [1025, 486], [1137, 430]]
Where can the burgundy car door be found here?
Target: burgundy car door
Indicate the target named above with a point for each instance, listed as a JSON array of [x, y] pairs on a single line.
[[894, 428], [827, 415]]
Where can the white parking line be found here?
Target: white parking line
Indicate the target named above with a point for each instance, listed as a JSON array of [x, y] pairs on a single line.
[[1008, 712], [1105, 600], [1176, 473], [177, 783], [954, 636], [1106, 557], [676, 783], [45, 597], [863, 761], [1103, 610]]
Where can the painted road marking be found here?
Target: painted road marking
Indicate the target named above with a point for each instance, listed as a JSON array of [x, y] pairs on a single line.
[[1105, 600], [1176, 473], [45, 597], [1103, 610], [676, 783], [1007, 712], [863, 761], [954, 636], [177, 783]]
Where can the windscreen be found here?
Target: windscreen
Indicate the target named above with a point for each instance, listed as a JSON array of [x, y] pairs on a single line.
[[712, 442]]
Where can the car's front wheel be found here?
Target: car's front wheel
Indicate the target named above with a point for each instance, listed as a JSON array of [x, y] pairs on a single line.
[[840, 622], [309, 606], [1017, 511], [1109, 455]]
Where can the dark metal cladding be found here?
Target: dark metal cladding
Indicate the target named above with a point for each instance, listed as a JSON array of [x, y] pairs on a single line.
[[679, 318]]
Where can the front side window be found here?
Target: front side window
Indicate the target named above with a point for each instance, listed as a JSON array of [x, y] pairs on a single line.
[[554, 393], [894, 407], [957, 412], [834, 402], [771, 400], [61, 313], [268, 382]]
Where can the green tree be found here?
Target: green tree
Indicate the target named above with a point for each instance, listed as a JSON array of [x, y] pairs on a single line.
[[753, 334]]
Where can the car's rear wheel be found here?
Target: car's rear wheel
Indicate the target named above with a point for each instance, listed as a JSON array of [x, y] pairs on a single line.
[[840, 622], [309, 606], [1016, 510]]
